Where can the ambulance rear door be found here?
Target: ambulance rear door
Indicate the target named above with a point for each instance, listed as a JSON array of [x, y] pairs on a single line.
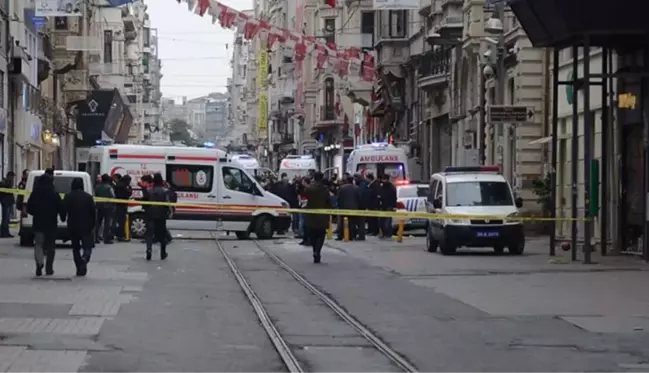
[[195, 182]]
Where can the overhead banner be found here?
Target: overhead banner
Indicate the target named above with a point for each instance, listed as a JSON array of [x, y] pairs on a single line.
[[58, 8], [262, 75], [396, 5], [262, 126]]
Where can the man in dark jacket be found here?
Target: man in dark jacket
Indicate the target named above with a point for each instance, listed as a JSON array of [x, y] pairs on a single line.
[[21, 198], [388, 203], [7, 200], [105, 210], [374, 189], [317, 195], [157, 215], [122, 192], [349, 198], [45, 205], [79, 208]]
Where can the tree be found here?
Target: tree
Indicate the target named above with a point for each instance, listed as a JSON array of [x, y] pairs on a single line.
[[180, 132]]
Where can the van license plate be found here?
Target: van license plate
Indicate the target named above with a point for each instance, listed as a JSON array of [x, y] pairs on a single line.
[[487, 234]]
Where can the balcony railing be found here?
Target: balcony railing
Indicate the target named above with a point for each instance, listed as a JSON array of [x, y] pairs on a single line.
[[327, 113], [435, 63]]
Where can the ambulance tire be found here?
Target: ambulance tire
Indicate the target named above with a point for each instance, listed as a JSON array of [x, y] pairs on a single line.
[[242, 235], [264, 227], [138, 225]]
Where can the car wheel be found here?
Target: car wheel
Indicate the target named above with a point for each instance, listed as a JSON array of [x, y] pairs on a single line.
[[264, 228], [26, 240], [431, 244], [243, 235], [516, 249], [499, 249], [138, 225]]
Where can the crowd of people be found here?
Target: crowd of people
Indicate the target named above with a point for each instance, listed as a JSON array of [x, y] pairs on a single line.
[[351, 192], [88, 222]]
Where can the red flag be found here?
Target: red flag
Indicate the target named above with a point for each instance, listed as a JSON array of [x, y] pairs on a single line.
[[331, 3], [346, 126], [251, 29], [300, 51], [321, 58], [203, 7], [353, 52], [272, 39], [227, 17]]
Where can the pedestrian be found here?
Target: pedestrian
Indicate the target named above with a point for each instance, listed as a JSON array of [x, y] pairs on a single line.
[[80, 212], [388, 203], [7, 200], [45, 205], [173, 198], [374, 203], [157, 215], [363, 191], [349, 198], [317, 195], [105, 210], [20, 199], [122, 192], [303, 202]]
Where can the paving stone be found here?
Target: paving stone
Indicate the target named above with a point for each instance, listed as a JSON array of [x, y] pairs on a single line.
[[8, 354], [77, 326], [48, 361]]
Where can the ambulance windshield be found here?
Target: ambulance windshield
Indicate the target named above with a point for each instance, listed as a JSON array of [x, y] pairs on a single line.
[[395, 170]]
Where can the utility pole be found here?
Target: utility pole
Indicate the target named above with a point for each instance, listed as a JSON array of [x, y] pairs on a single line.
[[501, 85]]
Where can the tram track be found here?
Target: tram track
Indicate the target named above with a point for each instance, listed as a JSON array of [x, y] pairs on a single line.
[[280, 344]]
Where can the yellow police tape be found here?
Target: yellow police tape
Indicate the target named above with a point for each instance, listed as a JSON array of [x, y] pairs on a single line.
[[359, 213]]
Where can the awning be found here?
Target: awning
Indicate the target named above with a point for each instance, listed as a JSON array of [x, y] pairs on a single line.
[[545, 140], [559, 23]]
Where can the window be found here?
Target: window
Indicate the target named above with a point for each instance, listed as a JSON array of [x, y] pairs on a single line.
[[479, 193], [190, 178], [398, 22], [62, 184], [412, 191], [2, 89], [147, 36], [432, 189], [439, 194], [108, 46], [512, 91], [330, 30], [60, 23], [394, 170], [329, 98], [235, 179], [367, 23]]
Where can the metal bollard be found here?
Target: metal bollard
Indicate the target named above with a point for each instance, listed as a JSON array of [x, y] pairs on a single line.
[[401, 229], [330, 230], [127, 227], [346, 229]]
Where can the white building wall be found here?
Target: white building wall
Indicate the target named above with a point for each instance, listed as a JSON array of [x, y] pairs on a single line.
[[28, 126]]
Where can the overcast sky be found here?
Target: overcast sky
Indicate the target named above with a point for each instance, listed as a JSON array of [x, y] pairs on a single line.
[[195, 60]]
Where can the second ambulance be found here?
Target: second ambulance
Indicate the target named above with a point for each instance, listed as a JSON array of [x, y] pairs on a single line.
[[379, 159]]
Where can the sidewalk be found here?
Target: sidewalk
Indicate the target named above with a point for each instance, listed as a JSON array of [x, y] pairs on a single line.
[[610, 296], [52, 323]]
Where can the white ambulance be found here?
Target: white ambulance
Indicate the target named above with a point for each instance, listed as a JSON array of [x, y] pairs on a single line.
[[297, 165], [379, 159], [201, 176]]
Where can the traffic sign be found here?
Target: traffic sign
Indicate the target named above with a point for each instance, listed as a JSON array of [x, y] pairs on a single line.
[[510, 114]]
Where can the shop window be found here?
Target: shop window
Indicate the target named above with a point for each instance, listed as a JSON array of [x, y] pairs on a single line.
[[190, 178]]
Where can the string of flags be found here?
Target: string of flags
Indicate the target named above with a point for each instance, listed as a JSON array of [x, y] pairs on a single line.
[[344, 62]]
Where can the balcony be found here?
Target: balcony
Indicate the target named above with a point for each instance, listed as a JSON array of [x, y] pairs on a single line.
[[450, 28], [327, 119], [434, 69], [129, 19], [76, 81], [105, 69]]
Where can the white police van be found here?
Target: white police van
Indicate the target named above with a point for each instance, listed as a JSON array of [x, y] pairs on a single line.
[[476, 191]]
